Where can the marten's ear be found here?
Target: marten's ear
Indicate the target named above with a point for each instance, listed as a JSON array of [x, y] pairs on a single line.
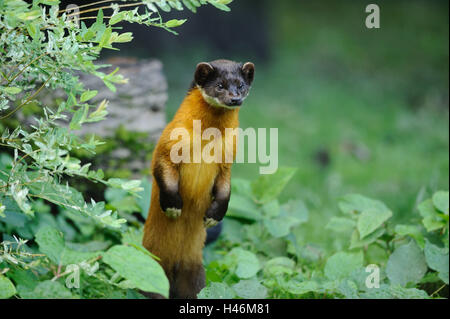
[[203, 72], [249, 72]]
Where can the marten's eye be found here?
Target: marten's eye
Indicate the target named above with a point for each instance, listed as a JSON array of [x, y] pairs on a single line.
[[241, 86], [220, 86]]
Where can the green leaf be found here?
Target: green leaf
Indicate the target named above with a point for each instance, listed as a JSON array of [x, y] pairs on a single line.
[[243, 207], [139, 268], [245, 263], [268, 187], [79, 117], [441, 201], [413, 231], [340, 224], [279, 266], [51, 243], [117, 18], [356, 242], [87, 95], [432, 219], [438, 259], [46, 290], [354, 204], [370, 220], [7, 288], [400, 292], [300, 288], [175, 23], [406, 265], [348, 289], [216, 290], [280, 226], [250, 289], [342, 264]]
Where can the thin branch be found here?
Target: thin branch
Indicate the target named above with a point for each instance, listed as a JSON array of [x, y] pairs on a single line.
[[86, 5], [105, 7], [34, 60]]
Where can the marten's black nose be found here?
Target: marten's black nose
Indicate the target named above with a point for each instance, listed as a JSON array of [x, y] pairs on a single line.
[[236, 101]]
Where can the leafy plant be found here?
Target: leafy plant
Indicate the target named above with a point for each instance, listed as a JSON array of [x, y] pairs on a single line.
[[44, 47], [260, 254]]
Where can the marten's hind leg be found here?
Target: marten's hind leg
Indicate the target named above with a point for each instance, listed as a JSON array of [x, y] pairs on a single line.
[[187, 281]]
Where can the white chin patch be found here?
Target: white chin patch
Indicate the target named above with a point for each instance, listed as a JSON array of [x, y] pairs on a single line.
[[213, 101]]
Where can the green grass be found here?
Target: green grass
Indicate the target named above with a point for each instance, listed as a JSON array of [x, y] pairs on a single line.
[[375, 100]]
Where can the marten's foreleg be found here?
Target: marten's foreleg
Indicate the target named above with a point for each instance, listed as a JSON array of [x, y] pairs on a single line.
[[221, 196], [168, 178]]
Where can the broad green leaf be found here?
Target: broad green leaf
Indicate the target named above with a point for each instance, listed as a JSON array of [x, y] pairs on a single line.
[[139, 268], [348, 289], [400, 292], [51, 243], [438, 259], [300, 288], [341, 264], [441, 201], [356, 242], [413, 231], [79, 117], [243, 207], [432, 219], [216, 290], [250, 289], [46, 290], [7, 288], [406, 265], [245, 263], [280, 226], [355, 204], [341, 224], [370, 220], [268, 187], [295, 209], [279, 266], [271, 209]]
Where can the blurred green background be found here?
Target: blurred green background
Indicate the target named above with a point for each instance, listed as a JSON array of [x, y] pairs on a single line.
[[358, 110]]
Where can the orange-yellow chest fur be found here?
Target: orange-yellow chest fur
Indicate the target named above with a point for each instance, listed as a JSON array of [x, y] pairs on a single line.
[[197, 179]]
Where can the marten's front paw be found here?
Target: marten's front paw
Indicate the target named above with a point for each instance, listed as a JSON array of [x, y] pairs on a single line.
[[171, 204], [210, 222], [172, 212]]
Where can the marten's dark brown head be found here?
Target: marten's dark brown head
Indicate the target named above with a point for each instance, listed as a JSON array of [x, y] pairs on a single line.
[[224, 83]]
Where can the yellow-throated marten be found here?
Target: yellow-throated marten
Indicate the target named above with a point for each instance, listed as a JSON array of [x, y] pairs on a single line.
[[189, 197]]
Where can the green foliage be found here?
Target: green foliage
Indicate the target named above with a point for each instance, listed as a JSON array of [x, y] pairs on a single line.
[[139, 269], [257, 257], [80, 248]]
